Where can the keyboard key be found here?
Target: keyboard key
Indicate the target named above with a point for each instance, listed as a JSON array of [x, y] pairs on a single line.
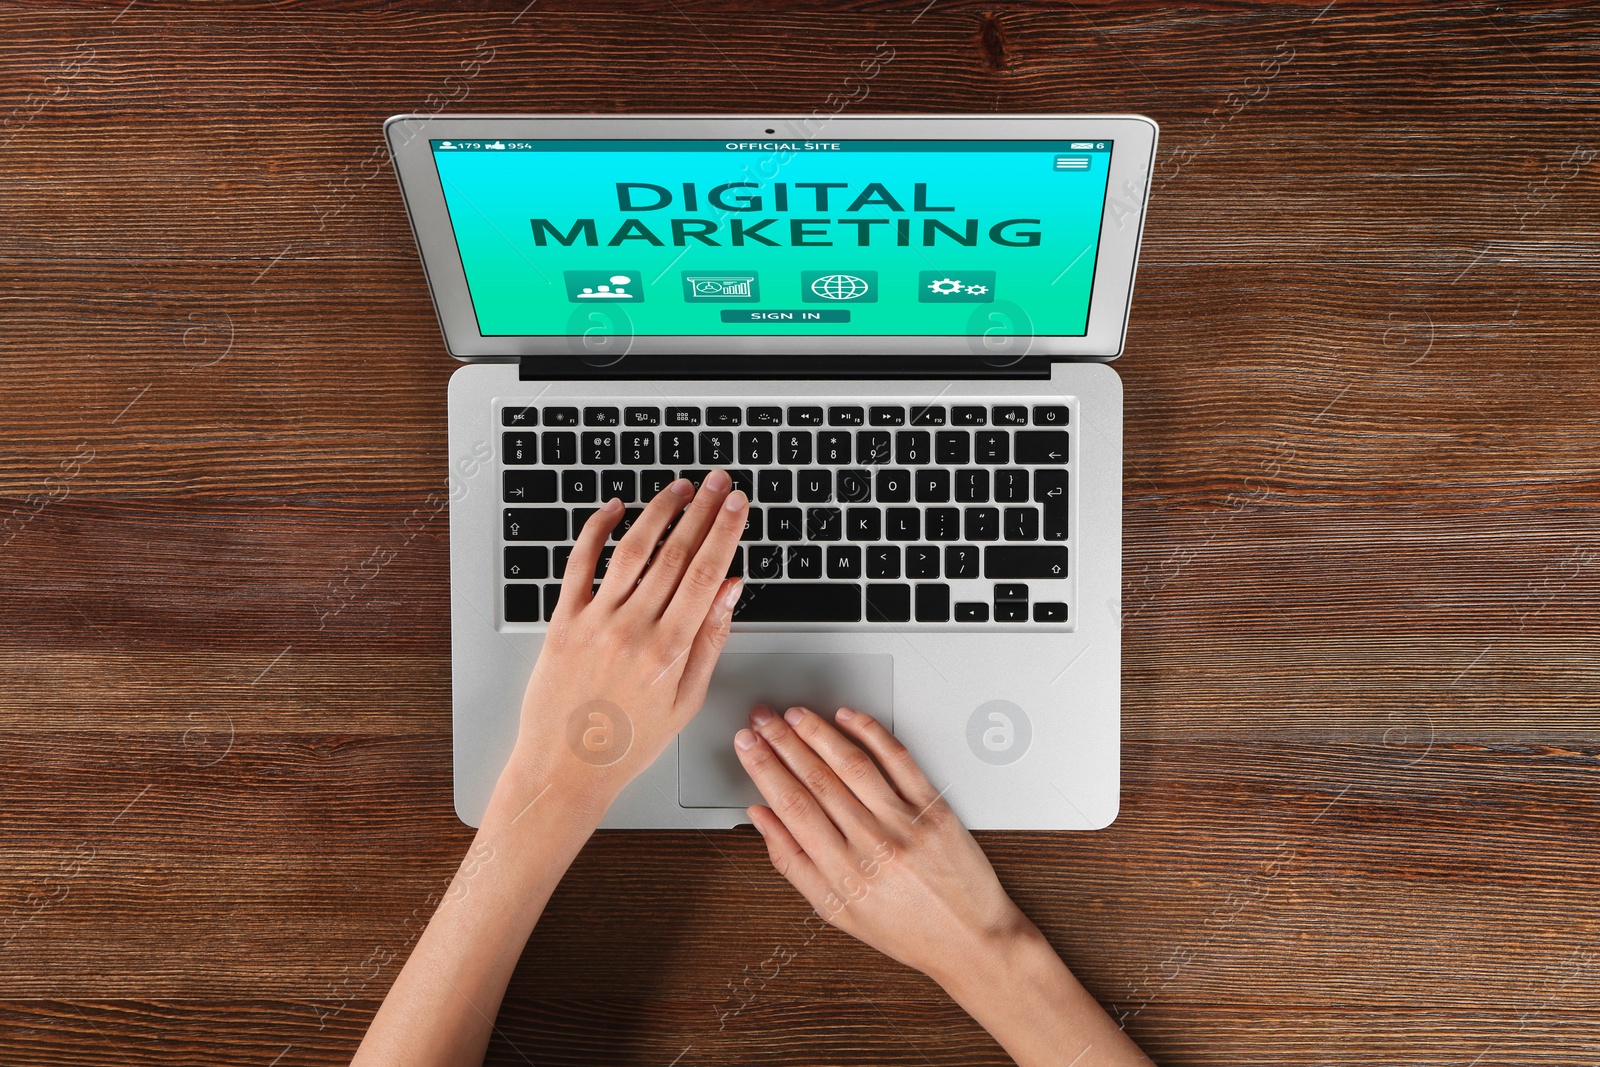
[[552, 594], [1025, 561], [805, 561], [579, 517], [639, 447], [933, 485], [1010, 611], [864, 524], [752, 525], [558, 560], [624, 485], [519, 448], [535, 524], [696, 475], [716, 448], [883, 561], [641, 416], [1050, 415], [736, 564], [578, 486], [677, 446], [724, 416], [922, 561], [805, 416], [872, 446], [933, 602], [952, 447], [1049, 611], [1010, 592], [561, 416], [1011, 485], [764, 416], [894, 486], [527, 561], [887, 603], [1042, 446], [775, 487], [794, 447], [783, 524], [560, 447], [765, 561], [1021, 524], [992, 446], [854, 486], [813, 486], [653, 482], [902, 524], [888, 416], [833, 446], [913, 448], [799, 602], [846, 416], [529, 487], [971, 611], [519, 416], [929, 415], [624, 524], [743, 481], [844, 561], [972, 486], [942, 524], [599, 448], [961, 561], [755, 447], [983, 524], [683, 416], [522, 603], [969, 416], [1010, 415], [822, 524], [601, 417]]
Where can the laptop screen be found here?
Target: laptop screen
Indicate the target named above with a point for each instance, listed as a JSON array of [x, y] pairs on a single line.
[[852, 238]]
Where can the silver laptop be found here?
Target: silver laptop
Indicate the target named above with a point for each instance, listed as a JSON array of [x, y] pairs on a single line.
[[893, 331]]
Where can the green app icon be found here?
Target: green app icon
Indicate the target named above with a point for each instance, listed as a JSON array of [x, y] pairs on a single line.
[[721, 287], [604, 286], [959, 287], [839, 287]]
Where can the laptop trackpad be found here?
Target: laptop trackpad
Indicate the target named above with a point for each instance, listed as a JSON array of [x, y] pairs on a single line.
[[710, 774]]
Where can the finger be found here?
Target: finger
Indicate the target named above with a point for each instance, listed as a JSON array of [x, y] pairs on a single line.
[[850, 764], [707, 646], [788, 858], [840, 804], [633, 551], [703, 578], [661, 577], [577, 580], [789, 799], [904, 773]]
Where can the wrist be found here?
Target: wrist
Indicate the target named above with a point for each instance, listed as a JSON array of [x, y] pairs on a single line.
[[998, 953]]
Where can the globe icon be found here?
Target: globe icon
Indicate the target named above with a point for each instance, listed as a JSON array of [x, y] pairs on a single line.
[[839, 287]]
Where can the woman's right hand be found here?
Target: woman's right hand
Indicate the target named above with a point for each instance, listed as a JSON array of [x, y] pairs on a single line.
[[877, 853]]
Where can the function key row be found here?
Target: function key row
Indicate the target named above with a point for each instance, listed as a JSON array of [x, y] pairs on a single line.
[[799, 415]]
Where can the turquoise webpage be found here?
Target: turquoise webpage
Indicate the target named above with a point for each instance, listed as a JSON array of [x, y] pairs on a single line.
[[706, 238]]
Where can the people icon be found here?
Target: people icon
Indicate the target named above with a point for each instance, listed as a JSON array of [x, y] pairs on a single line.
[[614, 291]]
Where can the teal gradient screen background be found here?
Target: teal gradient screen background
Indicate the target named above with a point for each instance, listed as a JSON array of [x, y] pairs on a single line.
[[521, 287]]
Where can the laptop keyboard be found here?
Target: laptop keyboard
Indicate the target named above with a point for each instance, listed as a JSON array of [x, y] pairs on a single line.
[[906, 514]]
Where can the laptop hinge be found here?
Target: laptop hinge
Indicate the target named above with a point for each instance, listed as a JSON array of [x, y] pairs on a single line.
[[547, 368]]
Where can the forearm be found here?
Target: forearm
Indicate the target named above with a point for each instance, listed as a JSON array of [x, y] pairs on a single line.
[[1033, 1005], [442, 1006]]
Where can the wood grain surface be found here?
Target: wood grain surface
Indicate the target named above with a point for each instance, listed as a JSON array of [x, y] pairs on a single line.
[[1361, 561]]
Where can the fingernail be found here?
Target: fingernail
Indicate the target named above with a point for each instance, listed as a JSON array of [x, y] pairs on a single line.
[[761, 716], [793, 716], [844, 713], [682, 487], [614, 504], [735, 501], [730, 595], [745, 740], [718, 480]]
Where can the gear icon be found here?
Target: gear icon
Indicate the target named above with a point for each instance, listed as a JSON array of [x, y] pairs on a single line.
[[945, 286], [977, 290]]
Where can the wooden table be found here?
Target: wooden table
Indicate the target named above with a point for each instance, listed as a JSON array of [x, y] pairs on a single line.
[[1362, 491]]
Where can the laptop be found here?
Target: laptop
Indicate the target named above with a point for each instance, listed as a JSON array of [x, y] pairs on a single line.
[[892, 330]]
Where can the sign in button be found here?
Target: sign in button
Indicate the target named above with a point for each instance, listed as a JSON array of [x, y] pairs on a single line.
[[784, 318]]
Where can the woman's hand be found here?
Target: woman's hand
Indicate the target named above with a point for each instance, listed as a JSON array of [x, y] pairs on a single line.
[[877, 853], [623, 669]]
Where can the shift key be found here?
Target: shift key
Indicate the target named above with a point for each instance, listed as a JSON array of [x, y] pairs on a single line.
[[1025, 561]]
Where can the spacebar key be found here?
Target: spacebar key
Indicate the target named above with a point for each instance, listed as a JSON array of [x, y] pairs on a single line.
[[799, 602], [1025, 561]]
